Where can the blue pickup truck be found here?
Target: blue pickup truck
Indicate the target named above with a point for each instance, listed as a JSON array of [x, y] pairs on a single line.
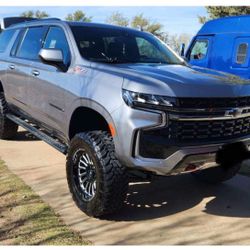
[[223, 44]]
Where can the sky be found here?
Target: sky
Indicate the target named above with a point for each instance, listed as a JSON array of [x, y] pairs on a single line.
[[176, 20]]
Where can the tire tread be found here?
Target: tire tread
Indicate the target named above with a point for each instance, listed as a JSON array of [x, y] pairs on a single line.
[[114, 175], [8, 129]]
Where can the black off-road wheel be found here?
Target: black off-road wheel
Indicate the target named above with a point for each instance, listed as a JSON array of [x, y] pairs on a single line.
[[218, 174], [8, 129], [97, 181]]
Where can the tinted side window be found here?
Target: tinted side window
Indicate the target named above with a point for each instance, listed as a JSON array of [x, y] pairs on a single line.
[[242, 53], [56, 39], [5, 37], [199, 50], [31, 44], [17, 42]]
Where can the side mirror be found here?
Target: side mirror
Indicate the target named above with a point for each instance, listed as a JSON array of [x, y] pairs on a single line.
[[51, 56]]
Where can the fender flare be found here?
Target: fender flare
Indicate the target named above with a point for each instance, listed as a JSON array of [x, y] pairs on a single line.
[[86, 103]]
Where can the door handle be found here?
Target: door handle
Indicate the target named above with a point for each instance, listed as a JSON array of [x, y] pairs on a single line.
[[12, 66], [35, 72]]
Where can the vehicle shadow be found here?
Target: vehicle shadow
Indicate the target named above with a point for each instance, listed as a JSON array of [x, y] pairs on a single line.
[[24, 136], [165, 196]]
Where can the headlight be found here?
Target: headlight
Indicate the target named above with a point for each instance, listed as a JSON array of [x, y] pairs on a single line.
[[140, 100]]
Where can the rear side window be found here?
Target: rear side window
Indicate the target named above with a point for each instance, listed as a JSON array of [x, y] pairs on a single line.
[[31, 43], [17, 42], [56, 39], [5, 38], [242, 53], [199, 50]]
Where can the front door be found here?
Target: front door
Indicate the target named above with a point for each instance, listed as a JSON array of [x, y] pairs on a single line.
[[47, 83]]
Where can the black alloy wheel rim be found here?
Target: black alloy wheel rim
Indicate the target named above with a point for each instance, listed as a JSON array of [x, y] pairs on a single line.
[[85, 175]]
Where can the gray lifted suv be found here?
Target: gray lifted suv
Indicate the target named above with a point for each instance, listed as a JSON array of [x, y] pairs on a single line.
[[118, 101]]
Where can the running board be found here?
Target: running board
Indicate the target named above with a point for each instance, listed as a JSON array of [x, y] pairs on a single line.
[[39, 134]]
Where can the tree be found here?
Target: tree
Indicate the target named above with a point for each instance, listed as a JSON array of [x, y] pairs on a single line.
[[145, 24], [203, 19], [78, 16], [140, 22], [35, 14], [28, 13], [156, 29], [117, 18], [175, 41], [223, 11]]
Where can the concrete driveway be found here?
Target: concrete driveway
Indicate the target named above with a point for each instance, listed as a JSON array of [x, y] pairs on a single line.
[[170, 210]]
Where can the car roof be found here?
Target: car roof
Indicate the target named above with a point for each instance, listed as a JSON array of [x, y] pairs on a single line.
[[233, 24], [36, 22], [51, 21], [99, 25]]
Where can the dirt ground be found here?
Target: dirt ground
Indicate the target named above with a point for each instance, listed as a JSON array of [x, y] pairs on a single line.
[[170, 210]]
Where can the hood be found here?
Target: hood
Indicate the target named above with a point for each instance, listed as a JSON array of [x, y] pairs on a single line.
[[182, 81]]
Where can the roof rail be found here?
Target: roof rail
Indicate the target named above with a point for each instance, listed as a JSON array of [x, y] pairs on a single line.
[[48, 19], [41, 20], [12, 21]]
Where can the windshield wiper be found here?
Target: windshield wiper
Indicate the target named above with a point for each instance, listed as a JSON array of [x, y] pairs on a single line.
[[109, 59], [115, 60]]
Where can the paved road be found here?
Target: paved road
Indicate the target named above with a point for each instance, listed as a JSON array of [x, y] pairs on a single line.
[[171, 210]]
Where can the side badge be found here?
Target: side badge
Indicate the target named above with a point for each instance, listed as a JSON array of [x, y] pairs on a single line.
[[80, 70]]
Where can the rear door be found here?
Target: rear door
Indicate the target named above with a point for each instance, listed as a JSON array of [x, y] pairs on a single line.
[[24, 52], [7, 38], [199, 52], [241, 56]]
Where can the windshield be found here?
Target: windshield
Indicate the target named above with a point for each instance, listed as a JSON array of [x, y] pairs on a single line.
[[114, 45]]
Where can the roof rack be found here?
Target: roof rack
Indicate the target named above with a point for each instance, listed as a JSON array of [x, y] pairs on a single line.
[[48, 19], [41, 20]]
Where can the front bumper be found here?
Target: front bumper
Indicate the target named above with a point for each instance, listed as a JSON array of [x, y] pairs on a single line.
[[178, 158], [189, 159]]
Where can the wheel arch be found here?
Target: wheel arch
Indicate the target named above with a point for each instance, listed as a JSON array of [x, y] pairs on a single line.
[[90, 118]]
